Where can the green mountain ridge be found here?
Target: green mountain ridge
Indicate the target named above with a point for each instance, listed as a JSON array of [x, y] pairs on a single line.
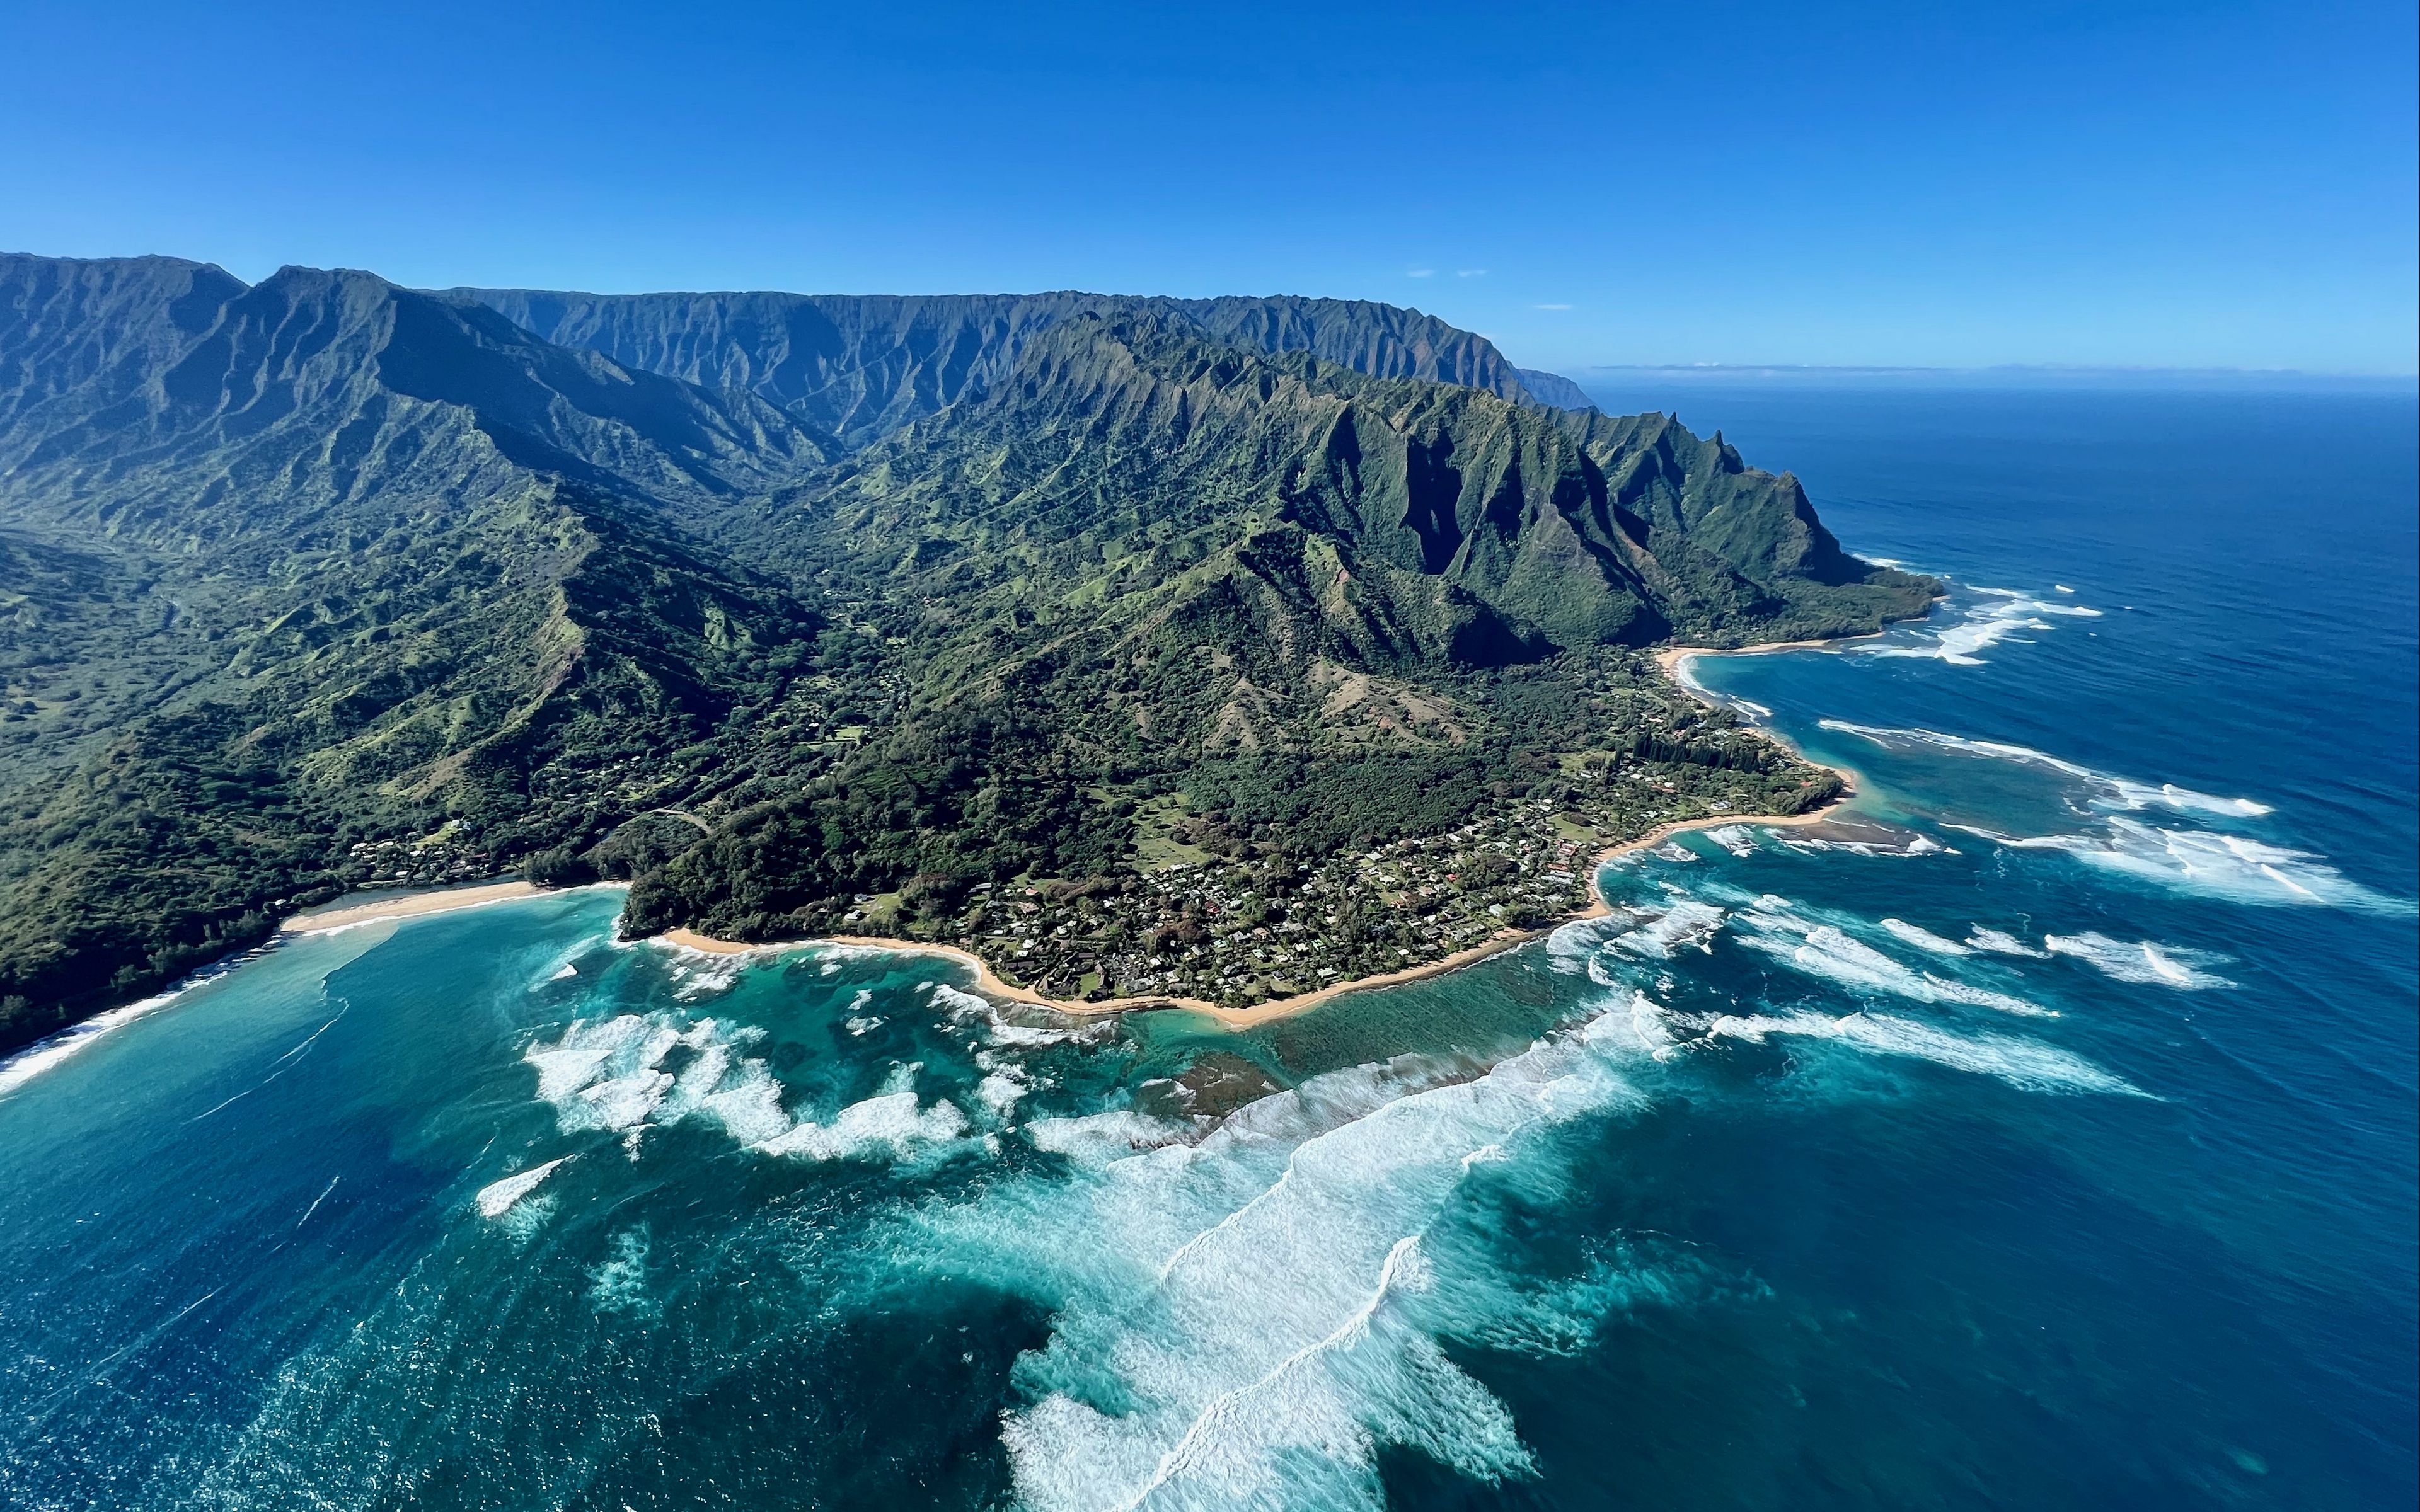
[[322, 580], [862, 366]]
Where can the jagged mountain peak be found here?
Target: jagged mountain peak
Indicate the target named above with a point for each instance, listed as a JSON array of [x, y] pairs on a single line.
[[862, 367]]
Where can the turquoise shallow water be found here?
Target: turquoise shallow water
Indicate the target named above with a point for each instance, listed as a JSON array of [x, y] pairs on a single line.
[[2060, 1153]]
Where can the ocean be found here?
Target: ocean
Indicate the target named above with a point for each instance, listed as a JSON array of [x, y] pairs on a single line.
[[2048, 1140]]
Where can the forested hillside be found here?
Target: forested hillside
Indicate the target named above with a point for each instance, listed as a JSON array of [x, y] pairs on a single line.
[[321, 581], [861, 366]]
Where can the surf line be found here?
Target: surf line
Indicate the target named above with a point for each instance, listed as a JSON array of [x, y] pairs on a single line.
[[1224, 1408]]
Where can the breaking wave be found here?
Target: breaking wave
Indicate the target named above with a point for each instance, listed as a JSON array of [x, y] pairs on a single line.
[[1826, 951], [2209, 863], [2026, 1064], [2005, 613], [2206, 860], [2167, 965], [2000, 942], [1247, 1320], [625, 1074], [2106, 793], [1686, 924], [1924, 939], [1248, 1316], [18, 1068], [496, 1198]]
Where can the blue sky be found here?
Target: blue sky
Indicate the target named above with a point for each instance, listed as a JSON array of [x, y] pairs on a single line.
[[2112, 183]]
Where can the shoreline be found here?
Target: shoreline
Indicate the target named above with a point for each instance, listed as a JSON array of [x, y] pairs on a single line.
[[418, 904], [1671, 657], [407, 905], [990, 983]]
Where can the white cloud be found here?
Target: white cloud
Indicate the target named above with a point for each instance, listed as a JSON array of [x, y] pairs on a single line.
[[1420, 273], [1470, 272], [1550, 307]]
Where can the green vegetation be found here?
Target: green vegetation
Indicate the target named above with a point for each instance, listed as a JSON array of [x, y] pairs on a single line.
[[1135, 644]]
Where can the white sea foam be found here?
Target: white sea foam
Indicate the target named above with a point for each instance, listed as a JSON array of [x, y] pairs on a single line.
[[1924, 939], [622, 1074], [1105, 1135], [2211, 864], [734, 1092], [2141, 961], [2105, 791], [603, 1074], [2003, 614], [960, 1003], [889, 1125], [2209, 861], [710, 977], [1244, 1322], [1737, 838], [1248, 1318], [40, 1056], [497, 1197], [1825, 951], [2022, 1063], [525, 1219], [1687, 922], [620, 1283], [619, 1104], [1028, 1036], [1684, 674], [1999, 942], [1912, 844], [1000, 1090], [1648, 1024], [44, 1054]]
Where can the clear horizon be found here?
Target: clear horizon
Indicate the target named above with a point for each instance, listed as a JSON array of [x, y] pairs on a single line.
[[2114, 187]]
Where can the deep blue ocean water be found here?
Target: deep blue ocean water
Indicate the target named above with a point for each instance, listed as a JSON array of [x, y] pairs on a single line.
[[2057, 1151]]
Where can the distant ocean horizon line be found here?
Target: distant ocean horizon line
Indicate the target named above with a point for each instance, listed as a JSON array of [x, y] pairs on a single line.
[[2011, 374]]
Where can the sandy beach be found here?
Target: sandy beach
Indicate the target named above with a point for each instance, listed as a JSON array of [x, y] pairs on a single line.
[[989, 984], [989, 981], [408, 905], [1671, 657]]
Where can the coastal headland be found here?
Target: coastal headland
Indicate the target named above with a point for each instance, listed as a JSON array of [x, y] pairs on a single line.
[[990, 982]]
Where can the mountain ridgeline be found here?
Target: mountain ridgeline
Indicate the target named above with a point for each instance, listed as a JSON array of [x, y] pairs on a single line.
[[775, 602]]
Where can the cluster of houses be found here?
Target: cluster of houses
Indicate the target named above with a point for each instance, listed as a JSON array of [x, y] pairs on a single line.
[[398, 863], [1246, 931]]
